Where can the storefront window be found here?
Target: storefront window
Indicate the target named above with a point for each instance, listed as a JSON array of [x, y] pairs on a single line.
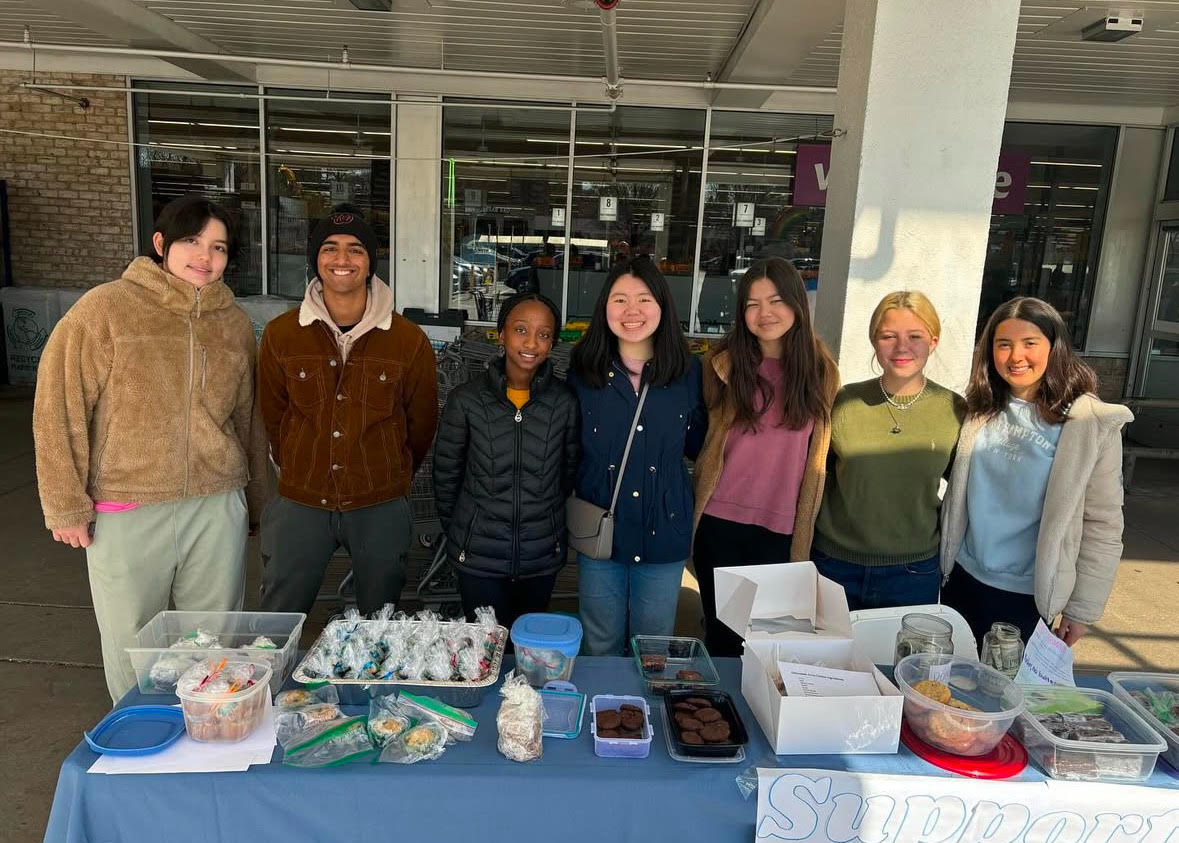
[[321, 154], [636, 190], [206, 145], [501, 230], [1048, 249], [750, 211]]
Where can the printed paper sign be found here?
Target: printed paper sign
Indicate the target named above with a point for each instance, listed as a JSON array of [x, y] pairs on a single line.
[[832, 806], [558, 217], [743, 214], [657, 222], [473, 199], [759, 227], [608, 208], [1046, 661], [805, 680]]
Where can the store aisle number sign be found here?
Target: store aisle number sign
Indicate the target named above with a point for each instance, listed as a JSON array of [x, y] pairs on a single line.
[[608, 208], [832, 806], [759, 227], [657, 222], [558, 217], [743, 214]]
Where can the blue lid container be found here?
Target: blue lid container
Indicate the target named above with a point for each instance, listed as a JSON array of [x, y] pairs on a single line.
[[545, 631], [137, 730]]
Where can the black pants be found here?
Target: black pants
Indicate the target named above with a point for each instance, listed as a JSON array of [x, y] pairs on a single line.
[[509, 599], [981, 605], [298, 541], [720, 544]]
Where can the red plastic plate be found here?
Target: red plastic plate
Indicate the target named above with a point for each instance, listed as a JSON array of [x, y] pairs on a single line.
[[1007, 759]]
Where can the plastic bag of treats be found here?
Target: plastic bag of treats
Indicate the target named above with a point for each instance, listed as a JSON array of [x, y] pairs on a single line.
[[386, 720], [520, 719], [301, 709], [202, 639], [422, 742], [331, 744], [167, 669], [459, 725]]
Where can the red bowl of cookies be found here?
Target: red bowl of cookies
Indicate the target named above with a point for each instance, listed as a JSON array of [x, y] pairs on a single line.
[[704, 724], [956, 704]]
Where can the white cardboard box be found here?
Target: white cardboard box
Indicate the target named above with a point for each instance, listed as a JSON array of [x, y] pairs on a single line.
[[753, 601]]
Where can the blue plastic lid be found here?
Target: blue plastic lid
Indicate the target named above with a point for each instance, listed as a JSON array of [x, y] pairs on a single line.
[[136, 730], [547, 631]]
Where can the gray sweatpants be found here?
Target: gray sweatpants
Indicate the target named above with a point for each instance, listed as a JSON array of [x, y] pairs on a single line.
[[189, 553], [298, 541]]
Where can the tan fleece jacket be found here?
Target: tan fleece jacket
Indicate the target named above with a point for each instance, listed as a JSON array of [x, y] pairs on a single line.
[[145, 392]]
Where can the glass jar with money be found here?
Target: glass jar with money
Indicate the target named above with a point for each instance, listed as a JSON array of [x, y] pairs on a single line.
[[1002, 648], [921, 633]]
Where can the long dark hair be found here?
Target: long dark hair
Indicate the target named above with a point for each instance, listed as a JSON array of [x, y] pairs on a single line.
[[1066, 376], [593, 354], [187, 216], [805, 362]]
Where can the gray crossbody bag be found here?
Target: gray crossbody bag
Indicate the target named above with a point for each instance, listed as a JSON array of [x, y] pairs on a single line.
[[591, 528]]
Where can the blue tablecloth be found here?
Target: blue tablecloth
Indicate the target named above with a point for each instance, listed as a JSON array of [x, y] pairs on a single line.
[[471, 793]]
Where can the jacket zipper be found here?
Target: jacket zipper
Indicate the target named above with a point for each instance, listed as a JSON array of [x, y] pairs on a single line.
[[470, 531], [204, 365], [195, 313], [516, 497]]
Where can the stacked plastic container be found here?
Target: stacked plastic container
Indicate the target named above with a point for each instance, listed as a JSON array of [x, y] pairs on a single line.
[[546, 646]]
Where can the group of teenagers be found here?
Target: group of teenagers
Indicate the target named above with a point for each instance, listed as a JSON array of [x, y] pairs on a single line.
[[158, 418]]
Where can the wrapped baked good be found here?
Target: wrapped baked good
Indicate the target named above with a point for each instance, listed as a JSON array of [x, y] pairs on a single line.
[[520, 719]]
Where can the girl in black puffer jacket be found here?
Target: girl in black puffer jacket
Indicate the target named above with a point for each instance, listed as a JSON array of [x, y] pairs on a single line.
[[504, 462]]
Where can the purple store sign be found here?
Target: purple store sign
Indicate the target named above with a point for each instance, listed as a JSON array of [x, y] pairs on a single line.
[[812, 168]]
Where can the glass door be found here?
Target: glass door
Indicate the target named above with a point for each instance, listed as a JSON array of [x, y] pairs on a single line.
[[1156, 380]]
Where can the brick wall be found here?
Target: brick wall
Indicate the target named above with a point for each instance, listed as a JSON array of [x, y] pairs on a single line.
[[1111, 376], [69, 201]]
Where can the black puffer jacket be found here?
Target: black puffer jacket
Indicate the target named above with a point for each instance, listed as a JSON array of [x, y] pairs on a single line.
[[501, 477]]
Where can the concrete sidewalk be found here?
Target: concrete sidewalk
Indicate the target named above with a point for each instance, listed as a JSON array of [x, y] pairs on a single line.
[[50, 664]]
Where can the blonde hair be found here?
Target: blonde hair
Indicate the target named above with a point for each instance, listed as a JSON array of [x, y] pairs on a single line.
[[911, 300]]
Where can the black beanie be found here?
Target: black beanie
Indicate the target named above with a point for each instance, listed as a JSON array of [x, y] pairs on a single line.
[[342, 222]]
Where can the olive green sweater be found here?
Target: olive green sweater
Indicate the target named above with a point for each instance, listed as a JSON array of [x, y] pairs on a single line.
[[880, 505]]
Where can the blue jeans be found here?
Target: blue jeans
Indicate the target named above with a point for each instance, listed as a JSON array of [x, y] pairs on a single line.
[[883, 586], [618, 599]]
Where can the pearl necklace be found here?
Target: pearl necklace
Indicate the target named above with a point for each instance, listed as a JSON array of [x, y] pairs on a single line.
[[909, 401], [900, 405]]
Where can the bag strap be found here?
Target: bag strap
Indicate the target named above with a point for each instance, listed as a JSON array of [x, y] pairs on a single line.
[[626, 451]]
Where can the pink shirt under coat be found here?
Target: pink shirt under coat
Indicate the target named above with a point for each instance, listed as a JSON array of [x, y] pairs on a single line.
[[763, 467]]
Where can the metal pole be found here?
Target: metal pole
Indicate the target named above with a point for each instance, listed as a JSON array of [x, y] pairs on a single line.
[[264, 195], [697, 275], [568, 215]]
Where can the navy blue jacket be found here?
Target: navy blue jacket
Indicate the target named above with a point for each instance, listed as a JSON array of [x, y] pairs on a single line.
[[653, 520]]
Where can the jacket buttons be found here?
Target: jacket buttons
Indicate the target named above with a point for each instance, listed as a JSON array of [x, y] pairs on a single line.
[[610, 374], [331, 362], [302, 374], [652, 469], [335, 467], [634, 494], [323, 502], [637, 559], [335, 434], [639, 428], [339, 396], [382, 377]]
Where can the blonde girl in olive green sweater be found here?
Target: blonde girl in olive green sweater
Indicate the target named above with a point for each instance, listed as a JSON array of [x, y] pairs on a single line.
[[892, 439]]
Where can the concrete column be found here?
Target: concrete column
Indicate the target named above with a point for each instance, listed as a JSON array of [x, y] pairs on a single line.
[[921, 102], [418, 205]]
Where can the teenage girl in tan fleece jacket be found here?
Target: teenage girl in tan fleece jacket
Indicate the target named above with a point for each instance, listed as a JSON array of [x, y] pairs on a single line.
[[146, 436]]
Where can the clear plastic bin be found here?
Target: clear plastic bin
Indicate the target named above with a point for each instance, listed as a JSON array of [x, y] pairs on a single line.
[[1080, 760], [996, 701], [660, 658], [546, 646], [1126, 683], [158, 665], [226, 717], [620, 747]]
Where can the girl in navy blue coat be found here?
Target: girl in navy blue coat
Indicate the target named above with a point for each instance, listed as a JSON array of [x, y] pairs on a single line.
[[634, 340]]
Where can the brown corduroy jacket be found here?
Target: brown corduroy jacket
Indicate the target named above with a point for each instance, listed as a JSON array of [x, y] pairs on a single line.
[[346, 430], [145, 393], [711, 461]]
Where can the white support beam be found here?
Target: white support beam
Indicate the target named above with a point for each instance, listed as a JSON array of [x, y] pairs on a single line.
[[778, 37], [129, 23]]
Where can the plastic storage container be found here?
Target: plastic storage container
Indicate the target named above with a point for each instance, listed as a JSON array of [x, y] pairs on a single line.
[[546, 646], [1129, 685], [996, 699], [563, 713], [158, 664], [1087, 760], [718, 700], [227, 716], [660, 658], [620, 747]]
